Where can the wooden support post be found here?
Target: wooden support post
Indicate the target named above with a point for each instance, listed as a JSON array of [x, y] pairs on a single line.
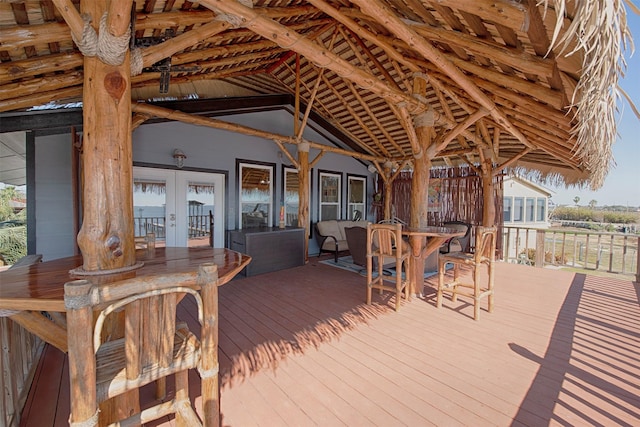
[[303, 194], [540, 248], [488, 190], [388, 189], [106, 236], [424, 125]]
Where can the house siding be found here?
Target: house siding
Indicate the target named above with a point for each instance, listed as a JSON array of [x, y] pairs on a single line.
[[207, 149]]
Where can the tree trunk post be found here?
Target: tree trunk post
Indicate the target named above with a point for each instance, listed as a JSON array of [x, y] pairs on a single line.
[[488, 191], [303, 194], [423, 124], [106, 236], [388, 189]]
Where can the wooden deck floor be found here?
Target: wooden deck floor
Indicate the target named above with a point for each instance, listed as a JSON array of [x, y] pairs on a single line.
[[299, 348]]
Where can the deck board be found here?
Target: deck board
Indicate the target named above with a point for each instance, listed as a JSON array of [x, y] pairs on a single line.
[[299, 347]]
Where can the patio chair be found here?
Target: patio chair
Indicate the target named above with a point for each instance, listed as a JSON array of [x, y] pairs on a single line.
[[357, 242], [457, 244], [384, 244], [154, 345], [484, 255]]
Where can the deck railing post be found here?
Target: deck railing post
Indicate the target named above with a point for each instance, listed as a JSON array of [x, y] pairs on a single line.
[[638, 261], [540, 248]]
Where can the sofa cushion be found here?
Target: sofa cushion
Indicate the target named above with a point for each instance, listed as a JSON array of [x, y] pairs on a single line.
[[330, 228]]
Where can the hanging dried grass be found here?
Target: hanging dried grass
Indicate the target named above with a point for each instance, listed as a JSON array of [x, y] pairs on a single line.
[[599, 31]]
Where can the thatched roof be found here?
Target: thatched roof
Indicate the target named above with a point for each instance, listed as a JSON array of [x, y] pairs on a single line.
[[533, 86]]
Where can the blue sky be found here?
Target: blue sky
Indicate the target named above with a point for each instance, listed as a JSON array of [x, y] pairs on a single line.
[[622, 185]]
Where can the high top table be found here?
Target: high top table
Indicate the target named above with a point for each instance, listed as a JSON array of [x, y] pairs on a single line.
[[424, 241]]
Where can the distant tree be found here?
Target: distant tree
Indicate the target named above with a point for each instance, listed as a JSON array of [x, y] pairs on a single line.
[[576, 200], [6, 195], [593, 203]]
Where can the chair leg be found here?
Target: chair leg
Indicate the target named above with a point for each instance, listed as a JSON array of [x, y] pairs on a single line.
[[441, 268], [398, 284], [476, 292], [490, 285], [369, 279], [182, 395], [454, 284]]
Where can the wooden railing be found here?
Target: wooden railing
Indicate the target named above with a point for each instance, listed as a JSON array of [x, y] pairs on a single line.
[[18, 368], [610, 252], [198, 226]]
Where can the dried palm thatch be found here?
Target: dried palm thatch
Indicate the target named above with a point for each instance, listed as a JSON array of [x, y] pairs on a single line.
[[599, 30], [532, 85]]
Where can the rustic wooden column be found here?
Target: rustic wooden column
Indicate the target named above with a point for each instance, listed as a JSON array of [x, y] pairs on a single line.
[[388, 189], [488, 192], [303, 194], [106, 236], [424, 126]]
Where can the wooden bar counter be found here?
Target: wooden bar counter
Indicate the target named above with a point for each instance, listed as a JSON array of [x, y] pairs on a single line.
[[27, 292]]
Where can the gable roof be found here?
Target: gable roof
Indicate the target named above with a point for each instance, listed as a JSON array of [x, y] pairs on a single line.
[[529, 85]]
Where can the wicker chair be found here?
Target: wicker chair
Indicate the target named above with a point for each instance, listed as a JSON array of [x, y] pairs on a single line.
[[484, 255], [154, 345]]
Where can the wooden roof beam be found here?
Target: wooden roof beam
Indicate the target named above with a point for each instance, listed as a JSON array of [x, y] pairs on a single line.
[[507, 13], [382, 14], [15, 38], [356, 117], [512, 57], [246, 130], [289, 39]]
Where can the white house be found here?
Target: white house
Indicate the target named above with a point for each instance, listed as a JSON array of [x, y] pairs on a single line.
[[525, 208]]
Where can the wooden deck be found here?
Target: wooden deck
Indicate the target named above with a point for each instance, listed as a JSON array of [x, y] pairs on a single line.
[[299, 348]]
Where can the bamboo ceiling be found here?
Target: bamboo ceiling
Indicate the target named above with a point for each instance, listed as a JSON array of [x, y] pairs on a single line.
[[494, 84]]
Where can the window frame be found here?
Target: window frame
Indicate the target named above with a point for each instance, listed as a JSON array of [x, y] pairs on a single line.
[[363, 179], [507, 209], [270, 200], [541, 215], [518, 209], [338, 204], [530, 209]]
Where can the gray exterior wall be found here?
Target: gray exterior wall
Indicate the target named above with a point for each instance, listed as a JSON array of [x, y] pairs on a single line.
[[54, 197], [207, 149]]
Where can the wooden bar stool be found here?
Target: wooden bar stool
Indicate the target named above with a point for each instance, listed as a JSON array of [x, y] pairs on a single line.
[[154, 345], [484, 254], [385, 245]]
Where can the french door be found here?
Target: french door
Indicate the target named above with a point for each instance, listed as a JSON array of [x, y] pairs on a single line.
[[179, 206]]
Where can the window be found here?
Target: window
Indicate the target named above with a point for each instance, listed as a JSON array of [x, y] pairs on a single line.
[[291, 201], [531, 209], [506, 210], [518, 209], [541, 209], [256, 195], [356, 194], [330, 185]]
